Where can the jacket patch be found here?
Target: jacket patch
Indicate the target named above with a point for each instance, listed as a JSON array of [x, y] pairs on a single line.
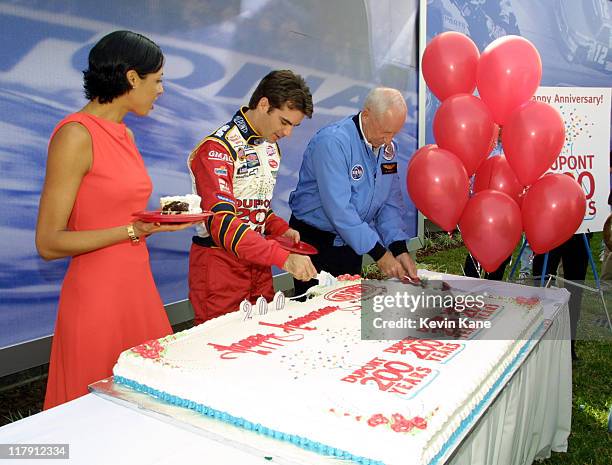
[[357, 172], [241, 123], [226, 199], [234, 137], [221, 131], [389, 152], [224, 186], [388, 168], [214, 155], [252, 160]]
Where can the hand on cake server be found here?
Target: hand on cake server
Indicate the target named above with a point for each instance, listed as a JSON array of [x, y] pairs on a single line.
[[348, 200], [234, 171]]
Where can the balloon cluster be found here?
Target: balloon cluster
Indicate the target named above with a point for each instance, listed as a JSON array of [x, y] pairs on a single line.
[[509, 192]]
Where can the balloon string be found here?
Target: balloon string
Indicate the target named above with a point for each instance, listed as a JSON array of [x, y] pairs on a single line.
[[474, 262]]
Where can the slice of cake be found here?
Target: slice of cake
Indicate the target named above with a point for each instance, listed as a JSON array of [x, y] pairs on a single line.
[[181, 205]]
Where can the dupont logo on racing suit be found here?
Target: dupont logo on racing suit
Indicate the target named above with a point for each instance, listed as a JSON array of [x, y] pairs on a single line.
[[253, 211]]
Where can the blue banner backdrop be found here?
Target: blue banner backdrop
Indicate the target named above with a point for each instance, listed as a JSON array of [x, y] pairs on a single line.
[[216, 53]]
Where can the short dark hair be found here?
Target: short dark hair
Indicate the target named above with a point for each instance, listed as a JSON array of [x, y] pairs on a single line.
[[112, 57], [284, 87]]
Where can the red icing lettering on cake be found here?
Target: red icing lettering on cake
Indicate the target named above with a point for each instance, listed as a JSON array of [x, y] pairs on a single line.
[[353, 292], [296, 324], [262, 344], [486, 312], [527, 301], [424, 349], [389, 375]]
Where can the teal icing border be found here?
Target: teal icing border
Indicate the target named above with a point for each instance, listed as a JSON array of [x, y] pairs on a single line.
[[315, 446], [299, 441]]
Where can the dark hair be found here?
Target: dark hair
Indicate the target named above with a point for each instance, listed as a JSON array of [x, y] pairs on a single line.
[[112, 57], [283, 87]]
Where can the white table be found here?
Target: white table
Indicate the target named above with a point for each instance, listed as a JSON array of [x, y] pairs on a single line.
[[529, 418]]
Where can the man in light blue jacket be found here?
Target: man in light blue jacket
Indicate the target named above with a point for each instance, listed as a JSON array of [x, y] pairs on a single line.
[[348, 200]]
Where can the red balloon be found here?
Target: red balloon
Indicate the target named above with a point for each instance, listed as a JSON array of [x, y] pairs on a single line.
[[491, 227], [449, 64], [552, 211], [438, 185], [509, 72], [495, 173], [532, 139], [464, 126]]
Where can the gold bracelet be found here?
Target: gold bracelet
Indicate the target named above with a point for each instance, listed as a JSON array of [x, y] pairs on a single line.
[[134, 238]]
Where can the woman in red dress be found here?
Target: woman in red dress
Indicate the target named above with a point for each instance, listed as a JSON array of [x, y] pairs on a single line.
[[95, 180]]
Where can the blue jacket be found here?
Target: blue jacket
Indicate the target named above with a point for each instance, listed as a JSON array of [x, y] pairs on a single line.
[[345, 188]]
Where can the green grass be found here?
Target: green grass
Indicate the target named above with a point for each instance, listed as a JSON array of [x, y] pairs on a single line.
[[589, 442], [16, 415], [446, 261]]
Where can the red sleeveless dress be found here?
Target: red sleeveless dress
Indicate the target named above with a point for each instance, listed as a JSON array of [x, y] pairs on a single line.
[[108, 302]]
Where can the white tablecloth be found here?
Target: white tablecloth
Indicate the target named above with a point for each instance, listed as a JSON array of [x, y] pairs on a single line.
[[529, 418], [532, 415]]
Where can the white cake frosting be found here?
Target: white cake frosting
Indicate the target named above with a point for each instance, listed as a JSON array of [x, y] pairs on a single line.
[[304, 371], [192, 200]]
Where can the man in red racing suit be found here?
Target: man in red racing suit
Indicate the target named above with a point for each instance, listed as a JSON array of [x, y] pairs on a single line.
[[234, 171]]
